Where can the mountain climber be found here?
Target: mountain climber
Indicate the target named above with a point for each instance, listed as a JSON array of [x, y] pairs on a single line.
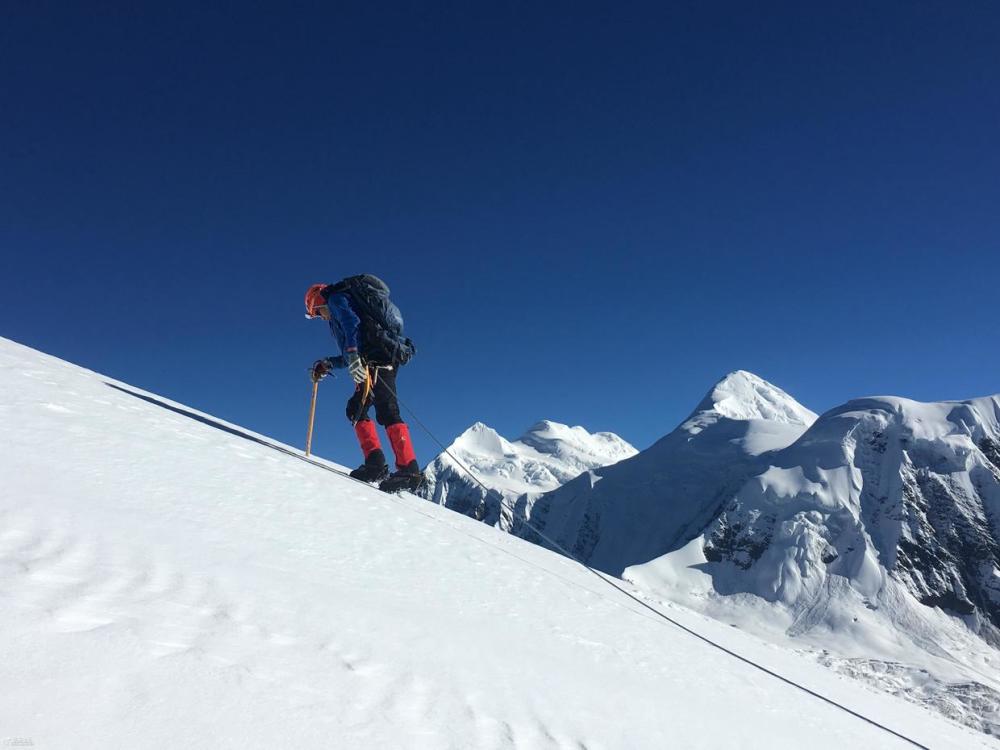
[[369, 330]]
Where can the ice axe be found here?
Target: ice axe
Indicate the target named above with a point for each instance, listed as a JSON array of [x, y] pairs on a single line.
[[312, 417]]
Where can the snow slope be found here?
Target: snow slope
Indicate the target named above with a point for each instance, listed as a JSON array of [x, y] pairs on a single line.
[[642, 507], [168, 580], [546, 456]]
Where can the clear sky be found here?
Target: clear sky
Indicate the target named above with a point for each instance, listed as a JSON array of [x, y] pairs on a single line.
[[587, 212]]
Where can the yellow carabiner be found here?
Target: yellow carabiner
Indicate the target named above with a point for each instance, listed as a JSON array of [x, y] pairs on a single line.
[[368, 385]]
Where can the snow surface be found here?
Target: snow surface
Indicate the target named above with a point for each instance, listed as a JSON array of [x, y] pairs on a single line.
[[169, 580]]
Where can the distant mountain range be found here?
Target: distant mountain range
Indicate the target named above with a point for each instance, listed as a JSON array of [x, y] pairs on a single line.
[[545, 457], [872, 531]]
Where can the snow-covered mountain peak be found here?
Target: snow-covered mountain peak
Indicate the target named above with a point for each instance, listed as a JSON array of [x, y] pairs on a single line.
[[553, 430], [480, 439], [741, 395], [545, 457], [943, 433], [584, 449], [677, 483]]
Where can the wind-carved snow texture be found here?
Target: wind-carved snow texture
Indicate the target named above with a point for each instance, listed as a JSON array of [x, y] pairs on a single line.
[[547, 456], [171, 580]]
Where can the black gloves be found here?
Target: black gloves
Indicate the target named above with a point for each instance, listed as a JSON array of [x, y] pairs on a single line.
[[320, 369]]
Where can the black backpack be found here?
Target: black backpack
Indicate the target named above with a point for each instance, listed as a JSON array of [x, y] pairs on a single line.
[[381, 322]]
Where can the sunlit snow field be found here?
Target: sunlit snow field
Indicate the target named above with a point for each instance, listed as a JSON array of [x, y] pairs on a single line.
[[166, 583]]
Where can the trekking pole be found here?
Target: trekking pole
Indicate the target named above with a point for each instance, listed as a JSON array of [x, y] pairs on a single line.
[[312, 417]]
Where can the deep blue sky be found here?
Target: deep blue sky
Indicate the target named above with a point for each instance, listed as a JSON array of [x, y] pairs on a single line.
[[587, 212]]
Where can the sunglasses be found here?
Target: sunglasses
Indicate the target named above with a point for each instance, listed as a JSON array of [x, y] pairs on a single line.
[[316, 312]]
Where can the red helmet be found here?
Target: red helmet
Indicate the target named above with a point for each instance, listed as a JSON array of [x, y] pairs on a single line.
[[315, 299]]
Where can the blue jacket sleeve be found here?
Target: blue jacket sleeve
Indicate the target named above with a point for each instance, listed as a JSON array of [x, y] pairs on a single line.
[[346, 319]]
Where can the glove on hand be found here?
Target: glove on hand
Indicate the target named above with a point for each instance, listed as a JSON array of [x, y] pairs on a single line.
[[320, 369], [357, 369]]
